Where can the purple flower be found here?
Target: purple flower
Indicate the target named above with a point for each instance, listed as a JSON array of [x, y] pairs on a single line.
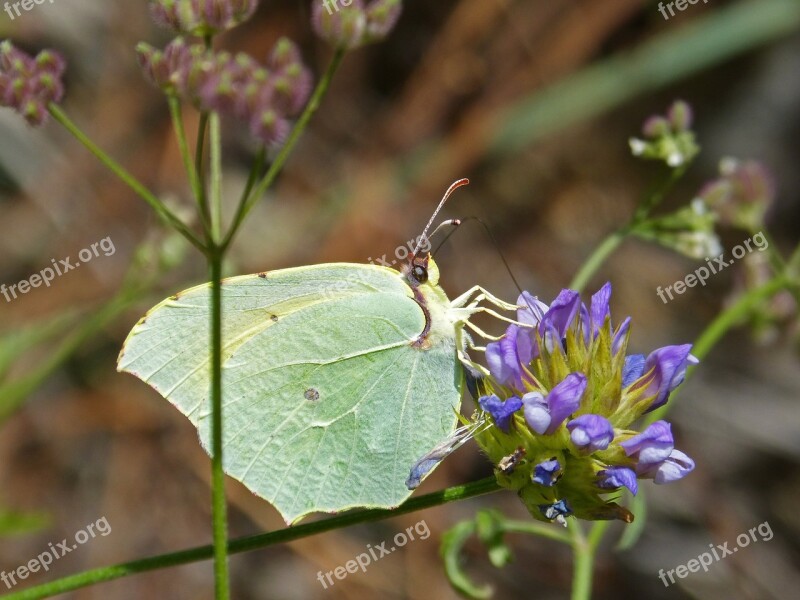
[[29, 84], [532, 311], [501, 411], [201, 17], [506, 356], [547, 473], [620, 335], [591, 432], [676, 466], [665, 368], [600, 307], [652, 446], [558, 318], [544, 414], [614, 477], [352, 24], [632, 369]]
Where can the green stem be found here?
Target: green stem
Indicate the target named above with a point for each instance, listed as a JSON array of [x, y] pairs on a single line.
[[297, 131], [190, 167], [216, 177], [597, 258], [282, 536], [583, 562], [255, 172], [218, 504], [126, 177], [719, 327], [612, 242], [202, 126]]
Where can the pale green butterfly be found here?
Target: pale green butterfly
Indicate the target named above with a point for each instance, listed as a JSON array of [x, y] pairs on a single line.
[[337, 377]]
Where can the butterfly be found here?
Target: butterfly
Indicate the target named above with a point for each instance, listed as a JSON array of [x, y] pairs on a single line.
[[336, 377]]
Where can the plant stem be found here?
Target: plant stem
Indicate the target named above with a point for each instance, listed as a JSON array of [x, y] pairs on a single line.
[[216, 177], [597, 258], [288, 534], [126, 177], [583, 562], [719, 327], [218, 504], [255, 172], [297, 131], [190, 167], [198, 163]]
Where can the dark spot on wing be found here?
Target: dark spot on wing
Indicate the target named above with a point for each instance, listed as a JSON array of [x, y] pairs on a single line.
[[263, 275], [311, 394], [274, 318]]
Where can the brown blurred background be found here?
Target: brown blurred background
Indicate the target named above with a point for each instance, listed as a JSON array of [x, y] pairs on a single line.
[[460, 89]]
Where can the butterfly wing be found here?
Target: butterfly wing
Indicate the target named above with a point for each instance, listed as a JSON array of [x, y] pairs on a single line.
[[327, 401]]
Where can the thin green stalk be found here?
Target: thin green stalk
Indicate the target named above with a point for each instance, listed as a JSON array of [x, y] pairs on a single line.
[[719, 327], [247, 544], [218, 503], [216, 177], [297, 131], [126, 177], [583, 562], [597, 258], [202, 126], [545, 530], [255, 172], [189, 165], [612, 242]]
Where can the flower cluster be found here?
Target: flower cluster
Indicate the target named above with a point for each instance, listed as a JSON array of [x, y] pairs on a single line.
[[742, 195], [563, 393], [201, 17], [264, 96], [668, 138], [353, 24], [29, 84]]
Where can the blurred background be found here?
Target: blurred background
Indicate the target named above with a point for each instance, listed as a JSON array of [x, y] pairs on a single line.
[[535, 103]]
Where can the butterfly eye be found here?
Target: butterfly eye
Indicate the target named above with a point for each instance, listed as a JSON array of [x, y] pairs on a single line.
[[420, 273]]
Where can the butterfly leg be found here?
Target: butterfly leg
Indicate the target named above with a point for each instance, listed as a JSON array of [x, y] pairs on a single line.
[[464, 299], [481, 332]]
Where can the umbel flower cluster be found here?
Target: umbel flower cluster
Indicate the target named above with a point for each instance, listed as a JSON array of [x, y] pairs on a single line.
[[350, 24], [263, 96], [29, 84], [562, 394], [201, 17]]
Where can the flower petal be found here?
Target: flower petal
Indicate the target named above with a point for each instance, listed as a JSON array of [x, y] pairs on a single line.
[[677, 466], [632, 369], [501, 411], [668, 366], [547, 473], [591, 432], [600, 307], [564, 399], [652, 446], [614, 477], [537, 414]]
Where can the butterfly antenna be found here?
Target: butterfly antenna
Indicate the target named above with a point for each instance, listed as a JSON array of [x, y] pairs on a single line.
[[424, 237], [496, 245]]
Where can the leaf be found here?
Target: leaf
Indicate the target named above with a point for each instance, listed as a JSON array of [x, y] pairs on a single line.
[[327, 400]]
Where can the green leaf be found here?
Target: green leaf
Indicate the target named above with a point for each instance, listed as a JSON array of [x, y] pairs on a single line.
[[328, 401]]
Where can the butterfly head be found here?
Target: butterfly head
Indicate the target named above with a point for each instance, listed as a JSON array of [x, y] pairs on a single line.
[[422, 269]]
